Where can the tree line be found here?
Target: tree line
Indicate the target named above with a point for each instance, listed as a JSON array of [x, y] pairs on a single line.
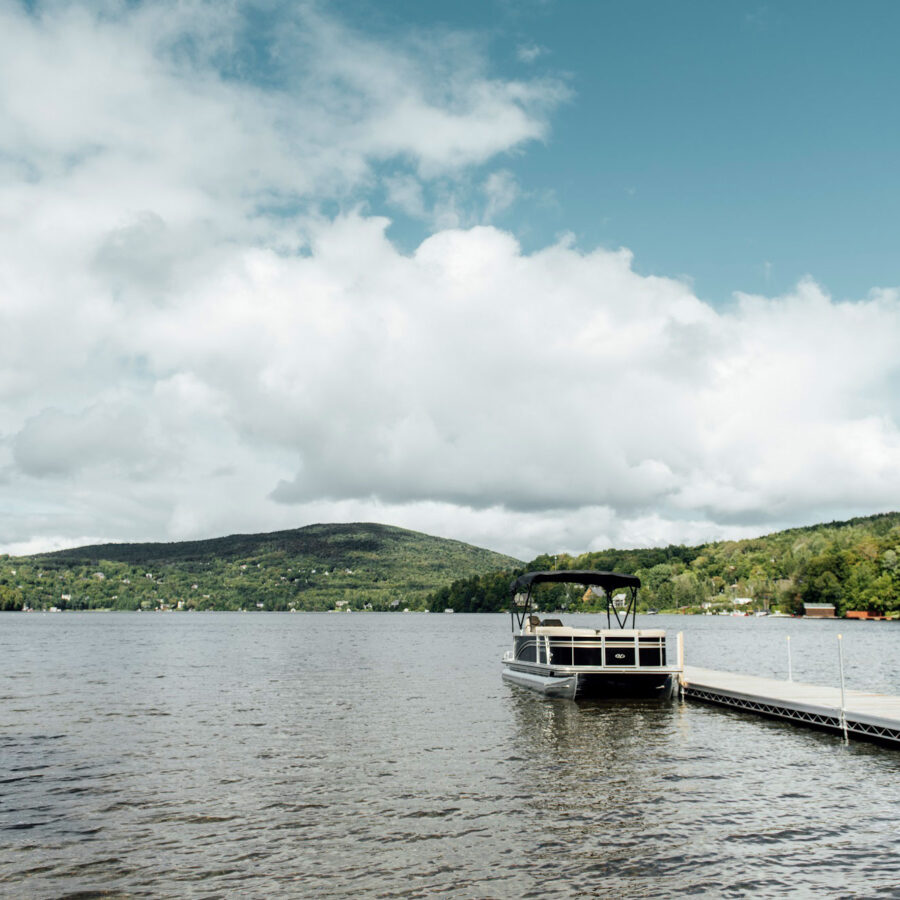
[[854, 565]]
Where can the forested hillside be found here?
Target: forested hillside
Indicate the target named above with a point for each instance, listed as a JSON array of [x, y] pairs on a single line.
[[853, 564], [318, 567]]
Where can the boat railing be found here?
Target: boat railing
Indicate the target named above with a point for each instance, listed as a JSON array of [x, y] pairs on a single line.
[[615, 650], [619, 650]]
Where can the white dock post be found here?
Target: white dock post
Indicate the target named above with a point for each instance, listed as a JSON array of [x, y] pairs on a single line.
[[680, 653], [843, 705], [790, 673]]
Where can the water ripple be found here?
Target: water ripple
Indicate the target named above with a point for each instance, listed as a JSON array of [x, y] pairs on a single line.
[[170, 757]]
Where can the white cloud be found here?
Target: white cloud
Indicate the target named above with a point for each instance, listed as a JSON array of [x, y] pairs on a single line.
[[190, 346], [58, 443], [452, 203], [405, 193], [528, 53], [501, 190]]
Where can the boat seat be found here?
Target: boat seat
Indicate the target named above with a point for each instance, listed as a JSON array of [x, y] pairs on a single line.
[[552, 623]]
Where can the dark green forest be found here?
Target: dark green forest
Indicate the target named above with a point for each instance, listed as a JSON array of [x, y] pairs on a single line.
[[319, 567], [854, 565]]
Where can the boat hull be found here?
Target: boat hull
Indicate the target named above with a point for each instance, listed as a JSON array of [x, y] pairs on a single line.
[[596, 685], [548, 686], [622, 687]]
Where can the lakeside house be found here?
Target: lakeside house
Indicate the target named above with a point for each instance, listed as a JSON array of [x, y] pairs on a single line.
[[819, 610]]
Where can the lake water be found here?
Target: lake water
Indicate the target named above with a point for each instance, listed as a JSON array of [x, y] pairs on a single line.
[[381, 755]]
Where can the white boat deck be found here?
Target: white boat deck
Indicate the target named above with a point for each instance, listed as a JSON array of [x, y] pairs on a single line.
[[867, 715]]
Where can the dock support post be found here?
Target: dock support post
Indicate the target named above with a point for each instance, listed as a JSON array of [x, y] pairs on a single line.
[[790, 672], [680, 654], [843, 705]]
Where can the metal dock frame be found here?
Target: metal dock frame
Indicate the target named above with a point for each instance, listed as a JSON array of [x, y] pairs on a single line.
[[866, 716]]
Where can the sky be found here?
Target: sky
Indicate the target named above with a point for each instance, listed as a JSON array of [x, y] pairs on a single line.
[[542, 275]]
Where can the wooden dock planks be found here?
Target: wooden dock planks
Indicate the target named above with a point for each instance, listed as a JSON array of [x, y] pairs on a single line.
[[868, 716]]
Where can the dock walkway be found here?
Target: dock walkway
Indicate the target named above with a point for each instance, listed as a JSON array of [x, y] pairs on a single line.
[[867, 716]]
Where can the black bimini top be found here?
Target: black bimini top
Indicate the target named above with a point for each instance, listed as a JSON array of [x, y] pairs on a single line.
[[607, 580]]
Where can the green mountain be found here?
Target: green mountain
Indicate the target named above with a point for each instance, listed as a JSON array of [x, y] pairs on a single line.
[[854, 565], [317, 567]]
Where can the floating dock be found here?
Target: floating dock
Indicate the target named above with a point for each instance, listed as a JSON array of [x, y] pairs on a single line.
[[872, 717]]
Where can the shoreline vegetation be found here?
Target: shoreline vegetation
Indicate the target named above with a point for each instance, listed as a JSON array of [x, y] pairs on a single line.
[[319, 567], [853, 566]]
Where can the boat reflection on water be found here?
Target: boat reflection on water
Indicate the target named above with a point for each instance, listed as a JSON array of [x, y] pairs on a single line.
[[590, 770], [566, 731]]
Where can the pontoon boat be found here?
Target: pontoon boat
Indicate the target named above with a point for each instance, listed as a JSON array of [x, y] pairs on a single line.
[[562, 661]]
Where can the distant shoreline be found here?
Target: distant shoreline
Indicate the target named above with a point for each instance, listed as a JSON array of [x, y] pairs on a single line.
[[500, 612]]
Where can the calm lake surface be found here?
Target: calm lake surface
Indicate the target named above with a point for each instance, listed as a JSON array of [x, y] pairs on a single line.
[[381, 755]]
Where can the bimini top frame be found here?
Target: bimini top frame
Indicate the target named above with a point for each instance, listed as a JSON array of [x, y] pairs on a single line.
[[520, 592]]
